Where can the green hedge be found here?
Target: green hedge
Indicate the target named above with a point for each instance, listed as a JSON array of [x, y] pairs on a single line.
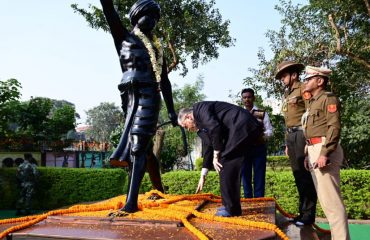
[[58, 187], [355, 188], [278, 162], [274, 162]]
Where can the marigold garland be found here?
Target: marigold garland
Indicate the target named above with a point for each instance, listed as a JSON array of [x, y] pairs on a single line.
[[157, 61], [175, 210]]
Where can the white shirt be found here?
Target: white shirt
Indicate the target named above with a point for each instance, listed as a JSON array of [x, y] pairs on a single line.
[[266, 123]]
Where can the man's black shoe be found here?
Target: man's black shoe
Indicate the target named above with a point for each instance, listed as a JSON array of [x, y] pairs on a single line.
[[304, 222], [295, 219]]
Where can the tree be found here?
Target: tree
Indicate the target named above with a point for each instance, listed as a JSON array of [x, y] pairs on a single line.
[[9, 94], [9, 90], [173, 143], [35, 116], [39, 119], [190, 28], [103, 119], [334, 34], [61, 122]]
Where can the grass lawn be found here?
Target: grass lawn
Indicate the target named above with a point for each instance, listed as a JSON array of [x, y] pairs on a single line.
[[357, 231]]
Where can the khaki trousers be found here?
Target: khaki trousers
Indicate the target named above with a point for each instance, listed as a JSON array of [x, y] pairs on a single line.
[[327, 184]]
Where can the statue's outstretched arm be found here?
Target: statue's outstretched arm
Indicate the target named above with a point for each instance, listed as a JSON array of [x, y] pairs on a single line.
[[167, 94], [118, 31]]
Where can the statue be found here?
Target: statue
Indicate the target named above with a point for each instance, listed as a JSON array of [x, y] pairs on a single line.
[[27, 175], [144, 77]]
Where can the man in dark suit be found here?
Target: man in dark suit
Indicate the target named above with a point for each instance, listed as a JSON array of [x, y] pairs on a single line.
[[227, 131]]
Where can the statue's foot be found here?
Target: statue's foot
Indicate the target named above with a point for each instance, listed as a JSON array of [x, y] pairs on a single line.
[[122, 212], [118, 213], [154, 196]]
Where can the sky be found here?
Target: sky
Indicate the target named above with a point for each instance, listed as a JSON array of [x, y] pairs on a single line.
[[53, 52]]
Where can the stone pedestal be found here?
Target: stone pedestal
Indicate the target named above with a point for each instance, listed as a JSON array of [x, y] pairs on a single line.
[[94, 228]]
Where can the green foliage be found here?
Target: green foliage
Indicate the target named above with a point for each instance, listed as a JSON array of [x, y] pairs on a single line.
[[9, 95], [189, 182], [355, 191], [61, 121], [194, 29], [356, 131], [172, 150], [278, 162], [103, 119], [115, 135], [280, 185], [58, 187], [9, 191], [36, 120], [9, 90], [276, 142], [198, 164]]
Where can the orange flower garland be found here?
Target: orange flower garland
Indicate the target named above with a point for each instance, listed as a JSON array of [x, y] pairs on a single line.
[[178, 207]]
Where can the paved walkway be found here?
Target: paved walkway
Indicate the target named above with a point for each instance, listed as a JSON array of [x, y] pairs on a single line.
[[359, 229]]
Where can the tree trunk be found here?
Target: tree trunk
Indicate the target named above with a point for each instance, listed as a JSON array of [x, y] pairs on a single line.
[[158, 143]]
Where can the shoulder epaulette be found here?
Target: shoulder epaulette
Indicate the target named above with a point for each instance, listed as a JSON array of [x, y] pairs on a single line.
[[330, 94]]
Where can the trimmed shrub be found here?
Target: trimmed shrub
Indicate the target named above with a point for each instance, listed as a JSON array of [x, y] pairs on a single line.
[[58, 187], [278, 162], [198, 163], [355, 188]]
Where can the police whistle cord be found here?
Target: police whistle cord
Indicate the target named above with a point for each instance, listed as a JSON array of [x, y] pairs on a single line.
[[163, 124]]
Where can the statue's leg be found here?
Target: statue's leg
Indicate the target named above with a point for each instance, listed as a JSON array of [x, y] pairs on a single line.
[[143, 128], [138, 158], [153, 168]]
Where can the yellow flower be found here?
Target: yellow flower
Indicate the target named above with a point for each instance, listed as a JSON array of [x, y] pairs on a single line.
[[157, 62]]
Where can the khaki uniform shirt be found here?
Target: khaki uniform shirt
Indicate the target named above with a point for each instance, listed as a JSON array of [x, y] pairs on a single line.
[[294, 105], [322, 119]]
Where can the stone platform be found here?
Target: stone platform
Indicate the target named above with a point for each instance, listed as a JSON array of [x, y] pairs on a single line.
[[98, 228]]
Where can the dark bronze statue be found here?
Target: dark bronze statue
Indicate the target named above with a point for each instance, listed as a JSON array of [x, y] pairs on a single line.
[[144, 77]]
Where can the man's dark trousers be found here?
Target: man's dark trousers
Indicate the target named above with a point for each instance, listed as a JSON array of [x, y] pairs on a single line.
[[256, 161], [231, 173], [306, 189]]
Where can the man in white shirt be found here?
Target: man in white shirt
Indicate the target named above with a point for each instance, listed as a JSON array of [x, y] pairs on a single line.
[[257, 157]]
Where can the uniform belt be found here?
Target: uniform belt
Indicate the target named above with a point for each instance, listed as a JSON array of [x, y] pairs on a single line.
[[294, 129], [314, 140]]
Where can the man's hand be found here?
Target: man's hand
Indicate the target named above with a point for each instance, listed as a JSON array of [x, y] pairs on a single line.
[[286, 150], [216, 164], [321, 162], [173, 117], [306, 163], [202, 180]]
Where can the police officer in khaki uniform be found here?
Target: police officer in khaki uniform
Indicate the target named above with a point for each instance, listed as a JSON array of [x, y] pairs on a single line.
[[325, 155], [293, 109]]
